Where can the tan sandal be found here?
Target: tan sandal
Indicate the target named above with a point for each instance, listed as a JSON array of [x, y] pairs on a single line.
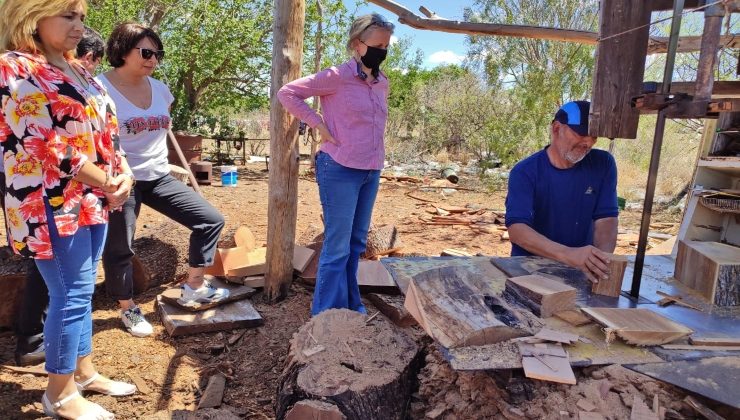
[[95, 413]]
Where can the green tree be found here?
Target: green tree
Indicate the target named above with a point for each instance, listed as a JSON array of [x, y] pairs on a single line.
[[540, 75]]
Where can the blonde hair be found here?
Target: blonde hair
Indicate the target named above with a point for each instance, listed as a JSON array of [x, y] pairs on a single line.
[[363, 23], [19, 20]]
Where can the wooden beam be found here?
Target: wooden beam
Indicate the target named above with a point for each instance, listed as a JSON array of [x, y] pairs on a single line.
[[409, 18], [282, 209], [620, 66], [720, 89], [659, 44], [659, 5]]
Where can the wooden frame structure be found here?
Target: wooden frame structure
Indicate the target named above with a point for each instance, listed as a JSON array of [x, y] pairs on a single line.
[[622, 23]]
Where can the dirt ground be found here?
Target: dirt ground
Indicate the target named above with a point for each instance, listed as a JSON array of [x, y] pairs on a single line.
[[176, 370]]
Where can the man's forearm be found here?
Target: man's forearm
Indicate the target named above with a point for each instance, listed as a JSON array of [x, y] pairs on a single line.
[[605, 233], [537, 244]]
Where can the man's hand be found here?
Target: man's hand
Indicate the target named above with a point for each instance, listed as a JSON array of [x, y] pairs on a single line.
[[326, 135], [120, 195], [589, 259]]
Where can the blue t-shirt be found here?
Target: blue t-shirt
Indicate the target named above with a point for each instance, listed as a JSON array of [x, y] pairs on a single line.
[[562, 204]]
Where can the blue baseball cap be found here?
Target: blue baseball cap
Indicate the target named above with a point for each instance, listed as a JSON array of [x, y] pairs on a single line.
[[574, 115]]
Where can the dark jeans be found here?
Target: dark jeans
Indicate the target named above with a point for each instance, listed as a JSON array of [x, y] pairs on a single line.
[[29, 325], [173, 199]]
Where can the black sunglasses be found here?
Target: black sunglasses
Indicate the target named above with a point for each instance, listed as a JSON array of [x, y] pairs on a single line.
[[146, 53]]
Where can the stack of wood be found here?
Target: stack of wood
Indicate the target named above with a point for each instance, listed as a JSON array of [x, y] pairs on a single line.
[[479, 220]]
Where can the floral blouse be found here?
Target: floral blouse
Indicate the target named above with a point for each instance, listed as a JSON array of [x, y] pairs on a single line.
[[49, 127]]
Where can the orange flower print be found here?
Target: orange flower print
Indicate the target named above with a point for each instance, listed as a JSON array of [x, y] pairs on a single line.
[[16, 223], [32, 208], [64, 106], [26, 105], [21, 169], [40, 244], [90, 211], [66, 224]]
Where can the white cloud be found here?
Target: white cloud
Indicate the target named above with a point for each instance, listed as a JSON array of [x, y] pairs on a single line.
[[445, 57], [394, 39]]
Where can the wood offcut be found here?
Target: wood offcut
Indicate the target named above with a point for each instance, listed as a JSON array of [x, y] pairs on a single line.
[[637, 326], [542, 295], [612, 286]]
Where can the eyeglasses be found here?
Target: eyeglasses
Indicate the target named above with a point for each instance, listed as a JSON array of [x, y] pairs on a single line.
[[146, 53], [380, 24]]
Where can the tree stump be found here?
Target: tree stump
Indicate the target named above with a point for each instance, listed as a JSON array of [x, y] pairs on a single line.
[[380, 239], [367, 370]]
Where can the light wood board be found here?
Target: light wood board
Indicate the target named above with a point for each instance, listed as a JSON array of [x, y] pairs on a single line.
[[638, 326], [178, 322], [612, 286], [542, 295]]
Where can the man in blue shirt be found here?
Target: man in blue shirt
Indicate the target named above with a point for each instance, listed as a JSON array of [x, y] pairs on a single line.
[[562, 200]]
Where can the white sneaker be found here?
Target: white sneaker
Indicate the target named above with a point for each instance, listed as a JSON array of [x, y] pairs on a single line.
[[135, 322], [203, 294]]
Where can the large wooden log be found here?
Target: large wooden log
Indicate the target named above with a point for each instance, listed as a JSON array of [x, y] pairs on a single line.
[[710, 268], [282, 209], [620, 66], [458, 308], [367, 370]]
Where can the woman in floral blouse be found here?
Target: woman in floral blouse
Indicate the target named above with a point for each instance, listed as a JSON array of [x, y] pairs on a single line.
[[58, 137]]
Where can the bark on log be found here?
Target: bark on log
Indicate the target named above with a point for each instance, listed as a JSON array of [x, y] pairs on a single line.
[[380, 239], [366, 369], [282, 209]]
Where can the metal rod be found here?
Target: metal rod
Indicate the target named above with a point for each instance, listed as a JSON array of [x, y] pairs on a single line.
[[647, 207]]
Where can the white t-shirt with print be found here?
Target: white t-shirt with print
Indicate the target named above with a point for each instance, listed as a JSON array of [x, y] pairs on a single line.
[[143, 132]]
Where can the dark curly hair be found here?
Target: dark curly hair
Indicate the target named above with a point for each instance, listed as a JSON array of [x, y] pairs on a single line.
[[124, 38], [91, 42]]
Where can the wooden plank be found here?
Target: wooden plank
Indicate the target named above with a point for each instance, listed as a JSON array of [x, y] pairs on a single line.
[[302, 256], [720, 88], [640, 410], [457, 307], [372, 276], [712, 269], [699, 348], [392, 307], [715, 341], [236, 292], [452, 252], [678, 300], [556, 336], [308, 275], [620, 67], [542, 295], [527, 349], [641, 327], [574, 317], [214, 393], [180, 322], [549, 368], [702, 409], [612, 286]]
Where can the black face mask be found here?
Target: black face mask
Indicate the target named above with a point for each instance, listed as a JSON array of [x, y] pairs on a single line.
[[373, 58]]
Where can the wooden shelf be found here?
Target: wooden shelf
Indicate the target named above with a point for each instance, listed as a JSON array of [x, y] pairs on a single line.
[[728, 165]]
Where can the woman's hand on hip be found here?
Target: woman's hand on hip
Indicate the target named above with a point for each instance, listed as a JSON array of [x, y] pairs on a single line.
[[326, 135]]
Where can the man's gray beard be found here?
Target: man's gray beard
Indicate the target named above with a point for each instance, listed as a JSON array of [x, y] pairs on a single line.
[[574, 159]]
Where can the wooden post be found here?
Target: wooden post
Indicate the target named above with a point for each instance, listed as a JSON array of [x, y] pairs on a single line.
[[620, 66], [316, 137], [282, 209], [708, 54]]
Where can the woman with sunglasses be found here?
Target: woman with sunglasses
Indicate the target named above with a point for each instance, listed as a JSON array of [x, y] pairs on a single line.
[[58, 138], [354, 103], [143, 109]]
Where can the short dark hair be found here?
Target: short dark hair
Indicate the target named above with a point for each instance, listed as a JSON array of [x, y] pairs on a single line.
[[124, 38], [91, 42]]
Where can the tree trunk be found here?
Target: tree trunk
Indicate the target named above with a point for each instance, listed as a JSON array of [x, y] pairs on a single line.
[[367, 370], [282, 210], [316, 138]]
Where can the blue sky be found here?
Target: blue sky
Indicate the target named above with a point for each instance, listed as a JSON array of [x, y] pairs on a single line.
[[438, 47]]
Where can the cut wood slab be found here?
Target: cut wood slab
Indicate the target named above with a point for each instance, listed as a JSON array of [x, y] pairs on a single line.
[[574, 317], [308, 275], [236, 293], [302, 256], [641, 327], [392, 307], [372, 276], [715, 341], [548, 368], [710, 268], [244, 238], [214, 393], [452, 252], [381, 238], [178, 322], [542, 295], [457, 307], [612, 286], [556, 336]]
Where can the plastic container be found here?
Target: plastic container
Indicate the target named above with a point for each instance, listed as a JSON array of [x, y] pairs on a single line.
[[228, 176]]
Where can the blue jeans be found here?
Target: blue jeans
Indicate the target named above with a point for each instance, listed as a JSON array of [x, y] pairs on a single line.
[[70, 277], [347, 199]]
